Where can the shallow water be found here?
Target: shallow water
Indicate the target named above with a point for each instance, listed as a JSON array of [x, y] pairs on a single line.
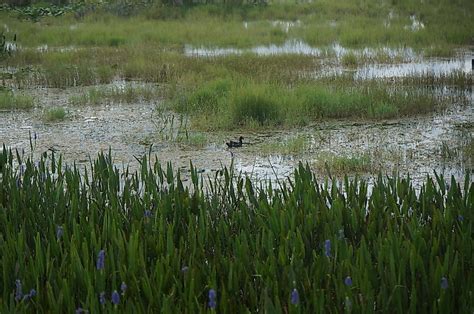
[[408, 62], [410, 145], [431, 67], [299, 47]]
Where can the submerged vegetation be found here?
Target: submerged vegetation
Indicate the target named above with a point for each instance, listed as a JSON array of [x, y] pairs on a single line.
[[145, 242]]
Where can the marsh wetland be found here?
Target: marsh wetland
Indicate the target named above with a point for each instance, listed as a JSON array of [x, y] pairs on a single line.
[[351, 101]]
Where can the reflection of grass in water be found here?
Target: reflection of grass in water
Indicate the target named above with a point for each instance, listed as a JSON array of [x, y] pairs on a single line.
[[100, 95], [11, 101], [343, 164], [54, 114], [294, 145]]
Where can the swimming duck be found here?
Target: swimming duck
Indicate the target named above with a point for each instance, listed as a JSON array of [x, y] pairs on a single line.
[[232, 144]]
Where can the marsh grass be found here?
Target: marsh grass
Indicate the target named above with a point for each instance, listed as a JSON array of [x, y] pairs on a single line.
[[357, 24], [293, 145], [342, 165], [193, 139], [55, 114], [114, 94], [226, 104], [350, 60], [171, 241], [13, 101]]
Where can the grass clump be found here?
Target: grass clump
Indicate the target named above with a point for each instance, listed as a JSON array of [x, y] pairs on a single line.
[[12, 101], [290, 146], [115, 94], [229, 104], [170, 244], [55, 114], [341, 165], [349, 60]]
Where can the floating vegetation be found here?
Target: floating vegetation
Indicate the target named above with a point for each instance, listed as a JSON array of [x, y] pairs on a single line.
[[148, 242]]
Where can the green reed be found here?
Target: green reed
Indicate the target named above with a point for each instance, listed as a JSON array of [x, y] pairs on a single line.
[[171, 241]]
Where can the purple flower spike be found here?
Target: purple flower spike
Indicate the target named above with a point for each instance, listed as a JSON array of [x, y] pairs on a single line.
[[212, 298], [460, 218], [102, 299], [348, 281], [115, 297], [147, 213], [444, 283], [18, 292], [327, 248], [101, 260], [295, 297]]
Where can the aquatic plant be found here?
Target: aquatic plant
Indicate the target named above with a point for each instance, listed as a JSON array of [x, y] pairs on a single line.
[[13, 101], [248, 239], [55, 114]]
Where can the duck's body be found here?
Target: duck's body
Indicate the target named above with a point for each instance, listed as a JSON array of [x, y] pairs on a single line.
[[233, 144]]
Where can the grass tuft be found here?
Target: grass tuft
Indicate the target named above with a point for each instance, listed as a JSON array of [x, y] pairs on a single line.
[[54, 114], [12, 101]]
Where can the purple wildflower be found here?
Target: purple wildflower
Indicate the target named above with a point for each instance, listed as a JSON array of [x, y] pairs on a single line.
[[59, 232], [444, 283], [123, 287], [327, 248], [102, 299], [212, 299], [295, 297], [460, 218], [115, 297], [18, 292], [147, 213], [348, 281], [101, 260]]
